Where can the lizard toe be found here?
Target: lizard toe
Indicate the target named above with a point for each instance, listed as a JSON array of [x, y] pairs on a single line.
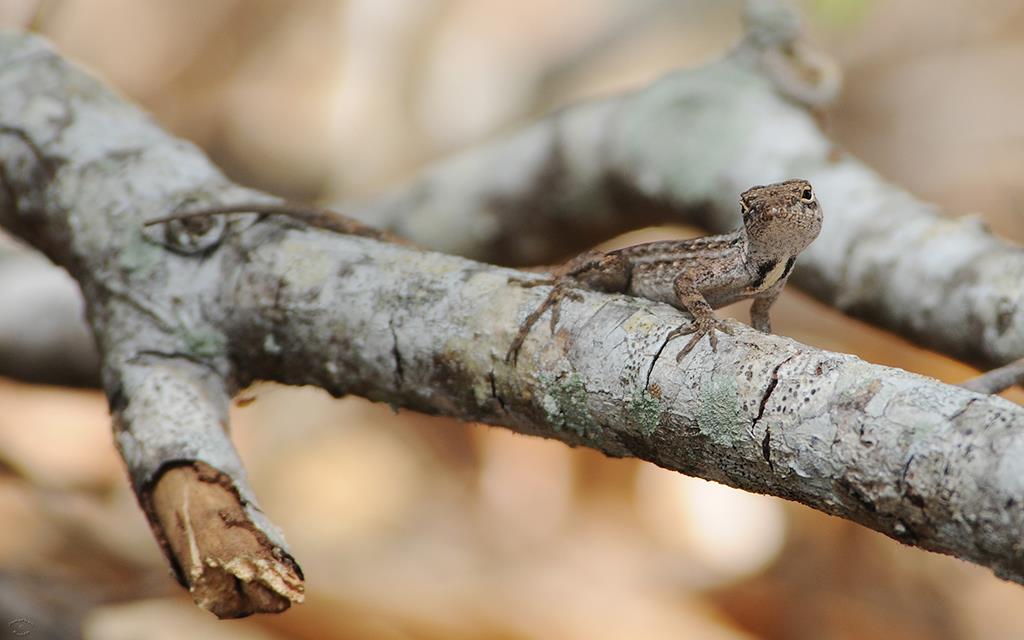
[[725, 327], [529, 284], [697, 335], [698, 330], [681, 330]]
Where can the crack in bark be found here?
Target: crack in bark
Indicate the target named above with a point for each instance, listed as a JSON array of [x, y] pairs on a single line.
[[766, 451], [494, 391], [397, 355], [141, 354], [654, 360], [961, 411], [906, 470], [909, 494]]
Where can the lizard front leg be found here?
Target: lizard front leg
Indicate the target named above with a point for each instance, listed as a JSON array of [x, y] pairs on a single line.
[[759, 310], [705, 323]]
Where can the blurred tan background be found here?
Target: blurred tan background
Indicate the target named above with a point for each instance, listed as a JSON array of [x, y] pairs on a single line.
[[416, 527]]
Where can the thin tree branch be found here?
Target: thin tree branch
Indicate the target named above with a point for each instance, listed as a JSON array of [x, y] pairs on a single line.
[[997, 380]]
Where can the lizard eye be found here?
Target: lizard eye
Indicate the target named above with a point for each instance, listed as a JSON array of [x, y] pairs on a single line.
[[744, 208], [807, 195]]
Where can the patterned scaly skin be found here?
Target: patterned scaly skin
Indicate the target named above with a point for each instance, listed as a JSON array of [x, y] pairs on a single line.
[[701, 274]]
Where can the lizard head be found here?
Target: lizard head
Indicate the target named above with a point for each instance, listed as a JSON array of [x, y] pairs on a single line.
[[781, 218]]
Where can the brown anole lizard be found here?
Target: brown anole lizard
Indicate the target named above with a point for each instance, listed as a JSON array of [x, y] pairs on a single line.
[[701, 274]]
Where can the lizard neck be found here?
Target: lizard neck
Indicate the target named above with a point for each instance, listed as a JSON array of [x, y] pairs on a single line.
[[760, 249], [766, 262]]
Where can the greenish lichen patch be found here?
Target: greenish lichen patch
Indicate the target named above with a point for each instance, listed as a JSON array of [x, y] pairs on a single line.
[[645, 411], [564, 403], [140, 257], [640, 322], [720, 410], [203, 343]]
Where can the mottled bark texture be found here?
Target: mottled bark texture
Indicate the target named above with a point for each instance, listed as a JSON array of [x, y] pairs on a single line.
[[681, 150], [187, 313]]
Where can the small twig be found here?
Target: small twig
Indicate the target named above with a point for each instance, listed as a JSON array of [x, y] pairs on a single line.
[[313, 216], [997, 380]]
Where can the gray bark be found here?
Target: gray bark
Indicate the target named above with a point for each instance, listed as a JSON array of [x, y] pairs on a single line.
[[186, 314]]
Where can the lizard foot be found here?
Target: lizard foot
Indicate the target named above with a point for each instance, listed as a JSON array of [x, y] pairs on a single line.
[[700, 328], [561, 289], [529, 284]]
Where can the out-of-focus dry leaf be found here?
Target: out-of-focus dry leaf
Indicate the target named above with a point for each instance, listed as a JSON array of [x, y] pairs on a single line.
[[58, 438], [165, 619]]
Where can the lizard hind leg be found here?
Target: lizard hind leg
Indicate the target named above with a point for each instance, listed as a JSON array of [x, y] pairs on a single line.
[[560, 290], [564, 291], [593, 270]]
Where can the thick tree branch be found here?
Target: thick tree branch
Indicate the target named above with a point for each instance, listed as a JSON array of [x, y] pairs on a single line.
[[926, 463], [187, 313], [680, 150]]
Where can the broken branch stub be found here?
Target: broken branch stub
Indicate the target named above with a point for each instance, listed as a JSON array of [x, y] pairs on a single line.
[[80, 170]]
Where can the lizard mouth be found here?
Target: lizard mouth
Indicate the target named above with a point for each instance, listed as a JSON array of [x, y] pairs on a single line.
[[785, 229], [780, 218]]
